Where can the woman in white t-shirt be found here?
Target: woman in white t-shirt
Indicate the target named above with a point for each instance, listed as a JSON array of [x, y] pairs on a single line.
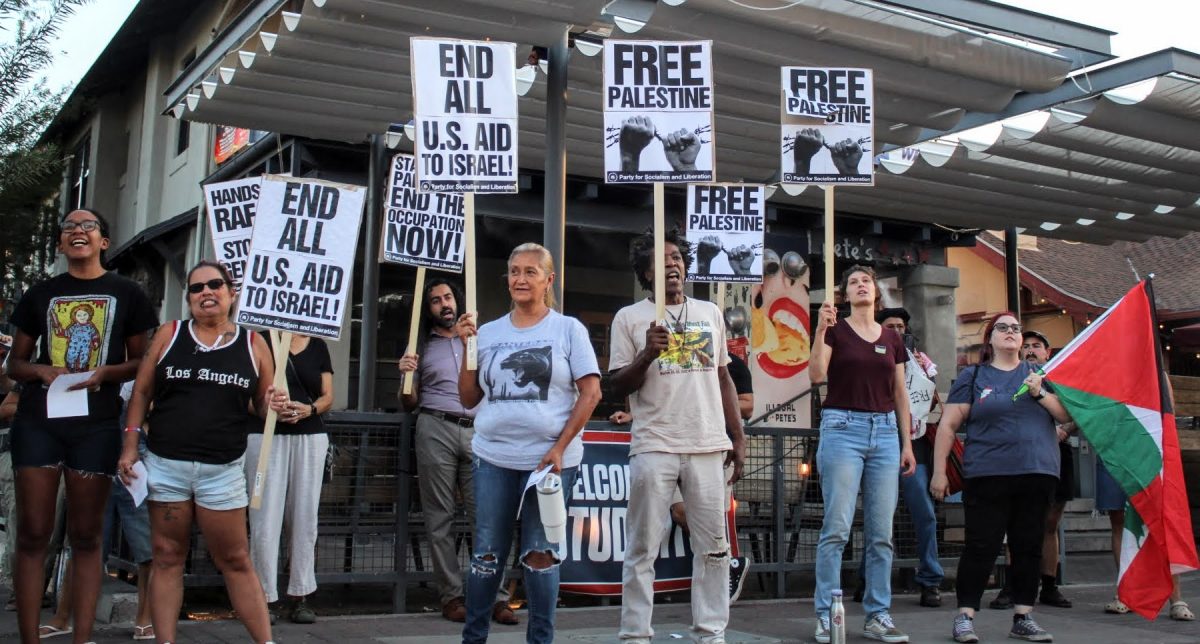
[[536, 385]]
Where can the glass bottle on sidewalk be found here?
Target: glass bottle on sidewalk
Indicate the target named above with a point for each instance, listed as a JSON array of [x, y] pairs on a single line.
[[837, 619]]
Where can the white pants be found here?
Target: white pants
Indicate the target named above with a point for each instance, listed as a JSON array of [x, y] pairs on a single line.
[[291, 496], [654, 477]]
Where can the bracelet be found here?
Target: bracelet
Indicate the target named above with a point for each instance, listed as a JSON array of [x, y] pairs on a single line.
[[133, 428], [1040, 395]]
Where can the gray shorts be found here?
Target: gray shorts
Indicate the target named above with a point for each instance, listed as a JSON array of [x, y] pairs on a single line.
[[214, 487]]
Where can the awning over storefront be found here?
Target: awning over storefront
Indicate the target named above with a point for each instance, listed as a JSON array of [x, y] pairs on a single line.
[[1115, 158], [339, 69]]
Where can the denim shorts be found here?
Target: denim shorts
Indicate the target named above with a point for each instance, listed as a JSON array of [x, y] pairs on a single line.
[[89, 446], [1109, 495], [214, 487]]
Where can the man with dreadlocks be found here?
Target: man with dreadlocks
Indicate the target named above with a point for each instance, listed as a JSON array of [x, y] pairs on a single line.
[[685, 428]]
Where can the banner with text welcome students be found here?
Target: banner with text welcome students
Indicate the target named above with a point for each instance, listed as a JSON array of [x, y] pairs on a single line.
[[658, 111], [725, 221], [231, 207], [828, 120], [420, 228], [594, 553], [301, 262], [465, 104]]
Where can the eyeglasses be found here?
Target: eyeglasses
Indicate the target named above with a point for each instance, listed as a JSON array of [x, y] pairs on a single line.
[[87, 226], [213, 284], [1007, 328]]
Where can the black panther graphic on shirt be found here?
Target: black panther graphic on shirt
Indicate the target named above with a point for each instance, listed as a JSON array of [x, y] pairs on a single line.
[[524, 374]]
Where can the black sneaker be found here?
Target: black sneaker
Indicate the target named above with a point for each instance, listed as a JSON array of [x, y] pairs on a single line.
[[302, 614], [1024, 628], [1054, 597], [1003, 600], [931, 597], [738, 567]]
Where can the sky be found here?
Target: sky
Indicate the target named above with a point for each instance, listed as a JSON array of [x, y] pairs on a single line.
[[1144, 26]]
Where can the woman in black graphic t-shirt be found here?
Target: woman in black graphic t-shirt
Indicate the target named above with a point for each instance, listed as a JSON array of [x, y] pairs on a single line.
[[203, 377], [87, 320]]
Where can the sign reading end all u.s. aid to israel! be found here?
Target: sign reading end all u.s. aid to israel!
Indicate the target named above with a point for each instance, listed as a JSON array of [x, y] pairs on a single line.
[[465, 104], [658, 111], [827, 125], [594, 553], [299, 272]]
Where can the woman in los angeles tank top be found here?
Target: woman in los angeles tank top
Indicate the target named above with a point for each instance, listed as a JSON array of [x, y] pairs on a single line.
[[202, 375]]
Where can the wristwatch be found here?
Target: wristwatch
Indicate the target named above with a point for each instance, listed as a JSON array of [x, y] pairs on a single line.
[[1040, 395], [314, 408]]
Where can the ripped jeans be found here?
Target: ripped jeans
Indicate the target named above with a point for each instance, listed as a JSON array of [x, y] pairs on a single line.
[[498, 492]]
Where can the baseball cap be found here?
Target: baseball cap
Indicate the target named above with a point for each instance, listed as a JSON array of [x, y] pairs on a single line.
[[1035, 334]]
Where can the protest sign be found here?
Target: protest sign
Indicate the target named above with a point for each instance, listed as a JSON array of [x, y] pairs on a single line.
[[726, 221], [658, 111], [828, 117], [420, 228], [301, 259], [231, 207], [596, 525], [465, 104]]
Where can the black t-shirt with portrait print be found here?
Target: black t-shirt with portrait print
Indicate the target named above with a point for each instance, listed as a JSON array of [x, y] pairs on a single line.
[[304, 371], [81, 324]]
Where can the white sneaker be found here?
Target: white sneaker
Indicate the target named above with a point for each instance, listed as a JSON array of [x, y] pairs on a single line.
[[880, 627], [822, 634]]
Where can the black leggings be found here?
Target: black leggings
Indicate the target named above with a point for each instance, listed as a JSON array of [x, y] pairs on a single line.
[[994, 506]]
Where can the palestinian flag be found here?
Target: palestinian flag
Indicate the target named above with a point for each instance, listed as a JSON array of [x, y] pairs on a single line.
[[1111, 381]]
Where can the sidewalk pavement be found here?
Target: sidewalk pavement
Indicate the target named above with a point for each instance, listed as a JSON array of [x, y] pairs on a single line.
[[757, 622]]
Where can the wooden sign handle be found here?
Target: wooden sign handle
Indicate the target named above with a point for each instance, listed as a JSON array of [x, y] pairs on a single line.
[[414, 325], [472, 347], [283, 343], [829, 264], [660, 251]]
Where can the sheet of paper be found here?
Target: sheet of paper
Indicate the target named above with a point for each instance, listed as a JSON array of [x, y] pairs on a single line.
[[137, 487], [534, 478], [61, 403]]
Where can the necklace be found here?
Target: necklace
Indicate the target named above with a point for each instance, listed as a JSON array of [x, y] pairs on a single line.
[[679, 321], [221, 339]]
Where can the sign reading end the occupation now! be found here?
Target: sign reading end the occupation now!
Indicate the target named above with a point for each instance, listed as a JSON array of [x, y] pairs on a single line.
[[828, 120], [465, 104], [421, 228], [658, 111], [298, 275], [726, 222]]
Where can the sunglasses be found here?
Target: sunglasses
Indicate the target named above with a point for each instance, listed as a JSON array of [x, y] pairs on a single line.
[[1007, 328], [213, 284], [87, 226]]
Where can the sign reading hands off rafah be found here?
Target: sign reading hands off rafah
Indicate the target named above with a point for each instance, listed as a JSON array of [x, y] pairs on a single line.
[[299, 273], [726, 221], [465, 104], [658, 111], [420, 228], [231, 206], [828, 120]]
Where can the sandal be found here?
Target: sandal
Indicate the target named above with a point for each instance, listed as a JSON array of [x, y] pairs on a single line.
[[143, 632], [46, 631], [1116, 607], [1181, 612]]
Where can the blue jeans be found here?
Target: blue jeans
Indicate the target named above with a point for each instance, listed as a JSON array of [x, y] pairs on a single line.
[[857, 448], [498, 492], [915, 490]]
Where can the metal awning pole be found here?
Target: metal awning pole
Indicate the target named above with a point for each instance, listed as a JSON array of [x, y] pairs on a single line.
[[370, 278], [1012, 278], [554, 226]]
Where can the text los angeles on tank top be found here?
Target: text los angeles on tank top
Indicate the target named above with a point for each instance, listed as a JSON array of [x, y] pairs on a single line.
[[202, 398]]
